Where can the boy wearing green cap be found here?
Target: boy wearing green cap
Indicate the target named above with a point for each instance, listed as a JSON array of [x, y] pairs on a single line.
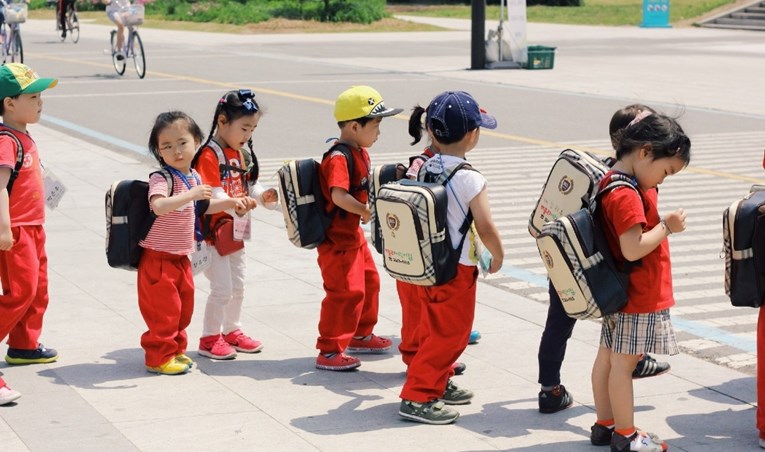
[[23, 262], [351, 282]]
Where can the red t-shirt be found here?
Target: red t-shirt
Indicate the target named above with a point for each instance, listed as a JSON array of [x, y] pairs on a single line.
[[27, 202], [232, 183], [650, 283], [345, 231]]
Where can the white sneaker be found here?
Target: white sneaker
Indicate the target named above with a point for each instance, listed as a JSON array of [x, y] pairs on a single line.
[[762, 443], [8, 395]]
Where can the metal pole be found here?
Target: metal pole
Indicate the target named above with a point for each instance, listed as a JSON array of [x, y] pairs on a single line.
[[478, 35]]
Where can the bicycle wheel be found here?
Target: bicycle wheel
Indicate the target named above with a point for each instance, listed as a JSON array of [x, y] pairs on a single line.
[[17, 50], [73, 24], [139, 59], [119, 65]]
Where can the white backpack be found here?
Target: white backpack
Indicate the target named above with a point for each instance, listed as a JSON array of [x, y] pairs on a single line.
[[416, 245], [570, 186]]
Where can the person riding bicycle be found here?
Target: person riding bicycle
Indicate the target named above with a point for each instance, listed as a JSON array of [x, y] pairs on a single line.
[[63, 6], [3, 4], [115, 10]]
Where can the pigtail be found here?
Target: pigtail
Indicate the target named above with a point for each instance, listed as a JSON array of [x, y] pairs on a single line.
[[254, 171], [415, 124]]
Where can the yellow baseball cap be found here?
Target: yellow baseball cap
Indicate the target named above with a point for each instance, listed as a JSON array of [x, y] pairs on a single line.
[[17, 78], [362, 102]]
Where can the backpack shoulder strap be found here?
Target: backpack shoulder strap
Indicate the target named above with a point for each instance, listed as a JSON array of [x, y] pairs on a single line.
[[348, 154], [168, 178], [19, 157], [617, 180]]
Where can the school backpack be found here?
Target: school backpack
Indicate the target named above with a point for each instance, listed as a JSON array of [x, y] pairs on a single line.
[[129, 219], [744, 249], [303, 204], [570, 186], [19, 158], [579, 262], [416, 243]]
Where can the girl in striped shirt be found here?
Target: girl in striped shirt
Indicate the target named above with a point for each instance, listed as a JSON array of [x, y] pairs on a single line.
[[165, 279]]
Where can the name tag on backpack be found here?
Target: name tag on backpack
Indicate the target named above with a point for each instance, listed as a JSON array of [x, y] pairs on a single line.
[[200, 258], [54, 189]]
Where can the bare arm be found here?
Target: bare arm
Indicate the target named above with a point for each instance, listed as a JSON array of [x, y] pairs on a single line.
[[487, 230], [6, 236], [347, 202], [636, 244], [162, 204]]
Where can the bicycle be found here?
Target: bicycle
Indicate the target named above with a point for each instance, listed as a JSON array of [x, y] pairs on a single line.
[[15, 14], [71, 22], [133, 47]]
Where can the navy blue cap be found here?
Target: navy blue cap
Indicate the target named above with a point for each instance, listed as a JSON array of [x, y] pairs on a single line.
[[452, 114]]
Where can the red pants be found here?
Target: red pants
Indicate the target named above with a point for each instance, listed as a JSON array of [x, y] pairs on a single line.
[[444, 330], [166, 301], [761, 373], [24, 276], [352, 287], [411, 310]]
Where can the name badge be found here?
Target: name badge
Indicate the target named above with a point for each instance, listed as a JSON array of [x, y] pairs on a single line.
[[242, 227], [54, 189], [200, 259]]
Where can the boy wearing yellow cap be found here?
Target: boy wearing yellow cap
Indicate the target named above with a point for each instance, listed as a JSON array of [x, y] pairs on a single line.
[[23, 262], [351, 282]]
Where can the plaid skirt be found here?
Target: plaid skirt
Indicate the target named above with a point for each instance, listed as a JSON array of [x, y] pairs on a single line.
[[633, 334]]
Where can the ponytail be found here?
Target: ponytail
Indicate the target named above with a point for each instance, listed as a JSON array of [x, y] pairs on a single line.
[[415, 124]]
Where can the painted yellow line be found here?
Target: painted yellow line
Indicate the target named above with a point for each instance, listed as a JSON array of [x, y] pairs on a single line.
[[318, 100]]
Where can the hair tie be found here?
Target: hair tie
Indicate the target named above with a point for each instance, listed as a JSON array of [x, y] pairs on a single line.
[[640, 116]]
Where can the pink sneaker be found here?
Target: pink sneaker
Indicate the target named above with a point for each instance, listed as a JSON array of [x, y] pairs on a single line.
[[216, 348], [8, 395], [340, 361], [242, 342], [371, 344]]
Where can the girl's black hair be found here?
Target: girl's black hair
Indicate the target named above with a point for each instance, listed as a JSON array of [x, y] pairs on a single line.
[[623, 117], [163, 121], [234, 105], [415, 124], [661, 134]]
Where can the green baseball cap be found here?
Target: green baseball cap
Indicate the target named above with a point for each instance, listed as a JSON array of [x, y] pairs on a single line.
[[17, 78]]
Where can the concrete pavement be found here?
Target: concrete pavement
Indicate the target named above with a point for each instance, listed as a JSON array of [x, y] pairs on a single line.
[[99, 396]]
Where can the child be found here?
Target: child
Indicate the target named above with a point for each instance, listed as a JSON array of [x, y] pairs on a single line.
[[236, 117], [351, 282], [553, 396], [23, 261], [453, 120], [761, 368], [407, 293], [165, 280], [651, 147]]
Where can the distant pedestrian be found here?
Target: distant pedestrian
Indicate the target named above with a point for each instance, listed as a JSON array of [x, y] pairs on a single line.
[[23, 260], [351, 282], [553, 396], [651, 147], [222, 163], [165, 280], [453, 120]]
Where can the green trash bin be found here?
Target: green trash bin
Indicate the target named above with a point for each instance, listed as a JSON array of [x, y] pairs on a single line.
[[540, 57]]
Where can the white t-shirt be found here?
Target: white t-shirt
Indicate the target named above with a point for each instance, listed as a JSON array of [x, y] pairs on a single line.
[[461, 189]]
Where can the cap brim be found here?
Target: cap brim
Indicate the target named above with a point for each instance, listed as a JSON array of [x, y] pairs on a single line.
[[488, 121], [40, 85], [385, 113]]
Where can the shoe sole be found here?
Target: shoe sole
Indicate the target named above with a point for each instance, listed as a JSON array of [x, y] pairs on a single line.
[[640, 377], [22, 361], [247, 350], [218, 357], [338, 368], [367, 350], [412, 417], [456, 402], [161, 372], [556, 409], [10, 399]]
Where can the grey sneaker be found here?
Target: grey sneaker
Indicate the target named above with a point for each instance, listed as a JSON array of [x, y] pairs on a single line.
[[433, 412], [456, 396]]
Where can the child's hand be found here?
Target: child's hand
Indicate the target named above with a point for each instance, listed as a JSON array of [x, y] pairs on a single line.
[[201, 192], [366, 215], [244, 205], [496, 264], [6, 239], [271, 195], [675, 221]]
